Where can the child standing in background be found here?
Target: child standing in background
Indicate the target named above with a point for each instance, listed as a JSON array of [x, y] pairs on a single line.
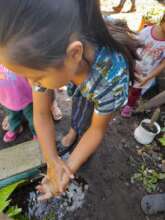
[[151, 65], [16, 98]]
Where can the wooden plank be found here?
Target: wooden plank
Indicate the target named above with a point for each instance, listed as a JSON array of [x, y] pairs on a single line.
[[20, 158]]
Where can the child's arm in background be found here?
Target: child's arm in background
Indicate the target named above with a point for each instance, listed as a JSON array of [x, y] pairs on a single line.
[[44, 125], [154, 73]]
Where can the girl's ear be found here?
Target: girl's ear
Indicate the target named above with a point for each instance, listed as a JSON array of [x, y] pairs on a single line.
[[75, 51]]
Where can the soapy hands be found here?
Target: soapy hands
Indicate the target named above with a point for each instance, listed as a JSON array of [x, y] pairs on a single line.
[[56, 181]]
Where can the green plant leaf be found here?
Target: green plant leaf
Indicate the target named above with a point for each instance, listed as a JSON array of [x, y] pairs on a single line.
[[162, 141], [148, 177], [4, 205], [163, 129], [13, 211], [5, 194], [161, 176]]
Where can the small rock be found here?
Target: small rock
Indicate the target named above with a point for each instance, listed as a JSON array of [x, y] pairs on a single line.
[[140, 152], [137, 147], [127, 184]]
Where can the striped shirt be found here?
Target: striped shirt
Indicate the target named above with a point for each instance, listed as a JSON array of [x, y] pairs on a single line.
[[108, 82]]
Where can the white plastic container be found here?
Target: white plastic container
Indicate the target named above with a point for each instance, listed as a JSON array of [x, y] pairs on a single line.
[[143, 136]]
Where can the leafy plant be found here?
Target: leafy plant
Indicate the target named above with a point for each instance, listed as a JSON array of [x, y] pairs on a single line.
[[5, 194], [148, 177], [162, 141], [13, 211], [153, 15], [163, 129]]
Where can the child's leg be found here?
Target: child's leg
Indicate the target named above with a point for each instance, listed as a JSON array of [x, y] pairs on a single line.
[[82, 111], [14, 119], [133, 7], [120, 6], [134, 95], [122, 2], [28, 113], [56, 111]]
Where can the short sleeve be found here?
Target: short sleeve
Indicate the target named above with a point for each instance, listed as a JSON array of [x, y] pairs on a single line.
[[113, 97], [143, 34], [38, 88]]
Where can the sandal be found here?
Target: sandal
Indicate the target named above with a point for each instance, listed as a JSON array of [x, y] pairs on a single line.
[[5, 124], [127, 111], [11, 136], [62, 150]]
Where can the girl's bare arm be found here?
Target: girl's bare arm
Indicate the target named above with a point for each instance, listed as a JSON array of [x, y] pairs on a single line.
[[89, 142], [44, 124], [154, 73]]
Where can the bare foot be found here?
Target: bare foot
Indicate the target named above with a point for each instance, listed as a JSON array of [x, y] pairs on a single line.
[[70, 138], [118, 9], [56, 112]]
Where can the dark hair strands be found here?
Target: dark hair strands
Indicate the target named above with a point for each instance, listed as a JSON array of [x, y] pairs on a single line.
[[37, 32]]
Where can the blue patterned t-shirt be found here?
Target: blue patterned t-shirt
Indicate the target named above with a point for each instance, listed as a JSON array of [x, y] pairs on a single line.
[[108, 82]]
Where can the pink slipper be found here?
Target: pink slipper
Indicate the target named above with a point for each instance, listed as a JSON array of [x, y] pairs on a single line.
[[127, 111], [12, 135], [9, 136]]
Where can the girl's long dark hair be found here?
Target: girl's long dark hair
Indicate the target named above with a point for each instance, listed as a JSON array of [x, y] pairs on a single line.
[[37, 32]]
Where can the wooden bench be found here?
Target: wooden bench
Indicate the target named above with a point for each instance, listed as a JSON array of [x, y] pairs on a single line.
[[19, 162]]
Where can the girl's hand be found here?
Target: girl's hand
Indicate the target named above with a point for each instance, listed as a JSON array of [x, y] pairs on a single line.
[[138, 76], [58, 177], [142, 80], [56, 170], [46, 188]]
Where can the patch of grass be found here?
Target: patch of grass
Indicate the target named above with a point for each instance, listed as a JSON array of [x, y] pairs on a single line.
[[148, 177]]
